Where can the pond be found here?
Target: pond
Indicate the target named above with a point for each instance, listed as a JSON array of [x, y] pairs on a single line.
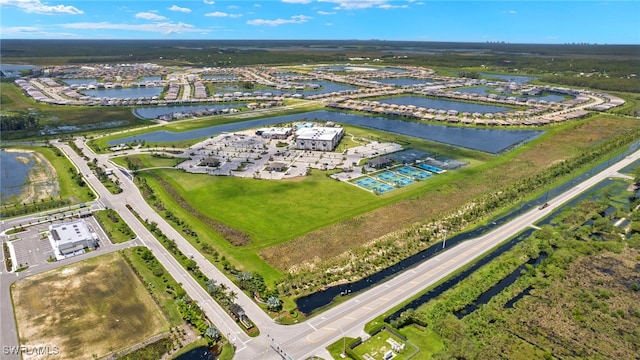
[[445, 104], [200, 353], [486, 90], [510, 78], [402, 81], [12, 70], [154, 112], [79, 81], [125, 93], [487, 140], [14, 167]]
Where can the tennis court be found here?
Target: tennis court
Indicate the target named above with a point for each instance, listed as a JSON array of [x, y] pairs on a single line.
[[391, 177], [428, 167], [373, 185], [412, 172]]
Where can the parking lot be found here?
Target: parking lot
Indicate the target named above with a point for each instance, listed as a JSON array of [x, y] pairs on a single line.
[[245, 154], [31, 247]]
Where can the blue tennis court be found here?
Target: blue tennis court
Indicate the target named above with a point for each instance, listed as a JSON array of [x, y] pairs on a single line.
[[428, 167], [373, 185], [393, 178], [412, 172]]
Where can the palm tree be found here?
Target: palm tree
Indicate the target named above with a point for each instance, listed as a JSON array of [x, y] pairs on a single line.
[[212, 286], [274, 304], [212, 333]]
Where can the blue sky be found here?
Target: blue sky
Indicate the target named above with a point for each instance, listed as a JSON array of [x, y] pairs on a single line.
[[602, 22]]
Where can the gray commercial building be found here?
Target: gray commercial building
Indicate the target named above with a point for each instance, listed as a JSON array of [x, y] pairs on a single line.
[[71, 238]]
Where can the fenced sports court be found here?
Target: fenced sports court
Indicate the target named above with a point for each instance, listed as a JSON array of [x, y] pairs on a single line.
[[394, 178], [373, 185], [412, 172], [428, 167]]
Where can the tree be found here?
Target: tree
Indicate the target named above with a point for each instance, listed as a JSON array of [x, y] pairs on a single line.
[[213, 333], [212, 286], [274, 304]]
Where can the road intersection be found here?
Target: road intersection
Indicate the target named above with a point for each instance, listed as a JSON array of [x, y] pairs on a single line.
[[276, 341]]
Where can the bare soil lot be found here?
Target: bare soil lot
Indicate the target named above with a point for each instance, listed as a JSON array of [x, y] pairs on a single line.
[[91, 308]]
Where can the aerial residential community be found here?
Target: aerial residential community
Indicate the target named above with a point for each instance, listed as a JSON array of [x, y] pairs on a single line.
[[199, 180]]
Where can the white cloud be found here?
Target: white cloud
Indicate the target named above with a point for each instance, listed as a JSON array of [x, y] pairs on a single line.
[[27, 31], [150, 15], [355, 4], [320, 12], [37, 7], [257, 5], [298, 19], [209, 2], [222, 14], [164, 28], [328, 24], [233, 7], [389, 6], [180, 9], [296, 1]]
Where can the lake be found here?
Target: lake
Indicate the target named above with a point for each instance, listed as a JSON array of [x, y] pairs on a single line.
[[437, 104], [12, 70], [510, 78], [154, 111], [79, 81], [125, 93], [14, 173], [402, 81], [487, 140], [486, 90]]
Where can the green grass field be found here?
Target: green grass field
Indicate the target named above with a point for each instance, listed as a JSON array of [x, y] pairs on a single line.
[[379, 344], [94, 307], [148, 160], [112, 224]]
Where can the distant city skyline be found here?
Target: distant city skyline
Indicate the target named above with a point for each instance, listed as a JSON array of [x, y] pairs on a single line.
[[548, 22]]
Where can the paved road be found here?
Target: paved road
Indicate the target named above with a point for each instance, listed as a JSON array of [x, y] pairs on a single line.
[[311, 337]]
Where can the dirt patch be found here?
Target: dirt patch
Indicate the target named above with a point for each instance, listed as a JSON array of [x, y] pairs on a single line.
[[95, 307]]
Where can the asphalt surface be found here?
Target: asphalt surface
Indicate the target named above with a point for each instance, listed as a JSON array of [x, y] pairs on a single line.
[[278, 341]]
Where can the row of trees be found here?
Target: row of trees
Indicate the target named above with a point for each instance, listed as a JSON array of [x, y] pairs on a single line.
[[18, 122]]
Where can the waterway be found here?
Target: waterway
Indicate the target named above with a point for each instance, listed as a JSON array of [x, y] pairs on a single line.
[[519, 79], [154, 111], [486, 90], [79, 81], [14, 173], [125, 93], [437, 104], [402, 81], [487, 140]]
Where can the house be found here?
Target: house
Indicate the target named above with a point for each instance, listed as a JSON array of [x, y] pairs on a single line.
[[380, 162], [210, 162], [71, 238], [276, 166]]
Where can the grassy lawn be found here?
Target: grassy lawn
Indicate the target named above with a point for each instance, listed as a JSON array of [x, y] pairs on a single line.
[[162, 285], [93, 307], [424, 339], [117, 230], [377, 346], [144, 161]]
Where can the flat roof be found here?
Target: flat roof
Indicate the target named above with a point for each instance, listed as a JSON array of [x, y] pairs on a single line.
[[70, 232], [318, 133]]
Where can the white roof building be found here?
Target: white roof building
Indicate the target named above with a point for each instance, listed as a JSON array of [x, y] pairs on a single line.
[[69, 239], [318, 138]]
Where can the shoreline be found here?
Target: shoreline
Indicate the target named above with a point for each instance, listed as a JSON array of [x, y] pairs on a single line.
[[41, 180]]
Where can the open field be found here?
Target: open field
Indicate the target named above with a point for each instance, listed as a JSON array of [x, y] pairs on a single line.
[[144, 161], [93, 307]]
